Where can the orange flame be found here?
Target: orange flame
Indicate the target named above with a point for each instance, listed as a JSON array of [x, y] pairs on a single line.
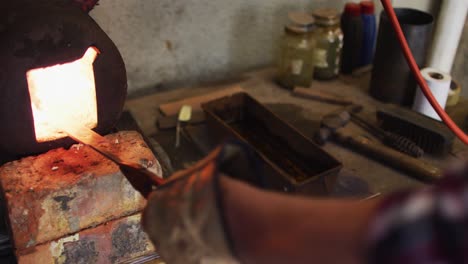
[[62, 95]]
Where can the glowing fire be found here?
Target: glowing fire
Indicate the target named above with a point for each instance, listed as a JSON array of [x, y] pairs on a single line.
[[63, 94]]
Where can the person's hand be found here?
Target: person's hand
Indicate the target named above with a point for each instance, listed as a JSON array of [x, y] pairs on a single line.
[[184, 217]]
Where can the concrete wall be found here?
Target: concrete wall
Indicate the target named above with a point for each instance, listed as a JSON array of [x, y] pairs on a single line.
[[172, 42], [460, 69], [182, 42], [430, 6]]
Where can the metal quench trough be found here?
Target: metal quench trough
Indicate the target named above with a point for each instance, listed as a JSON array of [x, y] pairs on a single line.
[[291, 161]]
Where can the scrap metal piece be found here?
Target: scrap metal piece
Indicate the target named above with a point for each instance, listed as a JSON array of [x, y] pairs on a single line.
[[375, 195], [141, 178]]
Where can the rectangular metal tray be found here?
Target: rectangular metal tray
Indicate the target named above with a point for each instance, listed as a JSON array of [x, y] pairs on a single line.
[[292, 162]]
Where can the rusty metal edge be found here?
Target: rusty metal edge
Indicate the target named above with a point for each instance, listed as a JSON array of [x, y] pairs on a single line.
[[213, 119]]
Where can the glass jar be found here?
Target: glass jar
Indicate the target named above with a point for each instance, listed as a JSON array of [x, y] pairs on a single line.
[[296, 58], [329, 39]]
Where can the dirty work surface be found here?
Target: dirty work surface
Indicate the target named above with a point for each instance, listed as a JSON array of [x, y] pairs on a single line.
[[303, 114]]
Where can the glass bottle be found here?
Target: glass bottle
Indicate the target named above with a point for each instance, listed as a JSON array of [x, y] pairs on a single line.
[[329, 39], [296, 58]]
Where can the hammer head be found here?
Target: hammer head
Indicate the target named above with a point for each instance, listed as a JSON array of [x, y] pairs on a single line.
[[333, 121]]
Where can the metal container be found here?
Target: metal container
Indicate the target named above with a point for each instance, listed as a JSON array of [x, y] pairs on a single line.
[[291, 161], [392, 81]]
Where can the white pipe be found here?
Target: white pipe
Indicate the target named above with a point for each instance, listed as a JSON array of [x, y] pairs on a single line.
[[449, 28]]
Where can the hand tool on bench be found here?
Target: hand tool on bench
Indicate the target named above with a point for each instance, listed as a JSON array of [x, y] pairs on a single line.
[[431, 135], [185, 114], [390, 139], [320, 96], [333, 125], [333, 121]]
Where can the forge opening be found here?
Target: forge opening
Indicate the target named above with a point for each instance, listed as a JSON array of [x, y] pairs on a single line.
[[63, 95]]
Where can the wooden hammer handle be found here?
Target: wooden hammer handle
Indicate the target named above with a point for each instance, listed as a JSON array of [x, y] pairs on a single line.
[[320, 96], [396, 159]]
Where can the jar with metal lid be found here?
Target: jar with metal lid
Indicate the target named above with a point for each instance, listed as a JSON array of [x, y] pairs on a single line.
[[329, 39], [296, 58]]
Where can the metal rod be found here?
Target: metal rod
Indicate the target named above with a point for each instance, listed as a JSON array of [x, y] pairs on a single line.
[[97, 142]]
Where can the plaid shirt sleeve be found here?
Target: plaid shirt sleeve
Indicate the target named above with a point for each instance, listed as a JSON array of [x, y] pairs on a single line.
[[427, 226]]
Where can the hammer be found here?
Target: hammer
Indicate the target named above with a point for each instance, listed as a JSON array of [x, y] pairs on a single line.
[[331, 125]]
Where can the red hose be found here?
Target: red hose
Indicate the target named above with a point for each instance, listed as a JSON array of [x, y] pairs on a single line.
[[417, 73]]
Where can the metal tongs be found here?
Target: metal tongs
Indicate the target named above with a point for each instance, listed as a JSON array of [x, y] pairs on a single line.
[[140, 177]]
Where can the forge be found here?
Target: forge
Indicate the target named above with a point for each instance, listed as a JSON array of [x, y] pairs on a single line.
[[57, 63], [49, 100], [66, 203]]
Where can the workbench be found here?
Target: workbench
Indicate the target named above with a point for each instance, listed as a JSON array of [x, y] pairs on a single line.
[[360, 175]]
